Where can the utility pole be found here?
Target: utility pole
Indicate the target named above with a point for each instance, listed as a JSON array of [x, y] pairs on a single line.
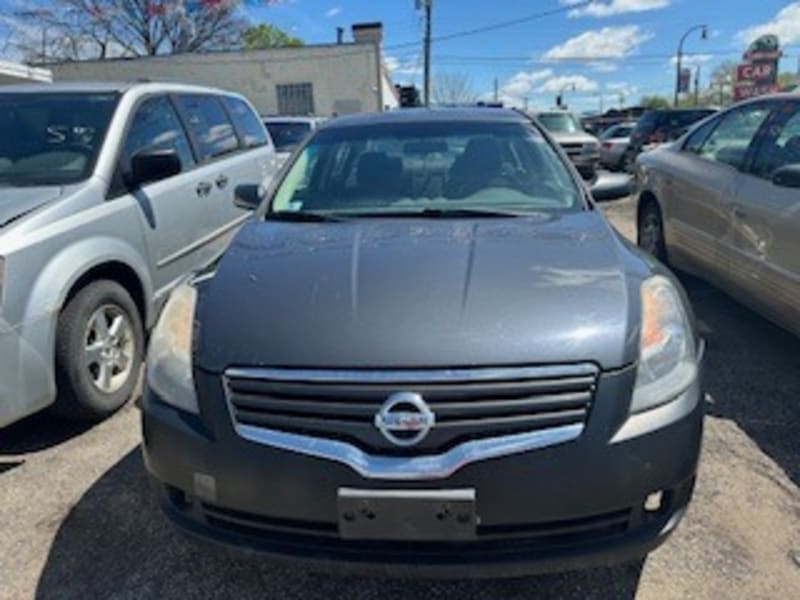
[[428, 10], [703, 35], [697, 86], [496, 90]]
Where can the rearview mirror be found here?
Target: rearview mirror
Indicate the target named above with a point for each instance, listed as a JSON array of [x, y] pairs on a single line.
[[247, 196], [788, 176], [148, 166]]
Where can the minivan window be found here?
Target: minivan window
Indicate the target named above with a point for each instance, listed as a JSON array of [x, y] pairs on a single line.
[[411, 168], [209, 123], [249, 126], [51, 138], [156, 126]]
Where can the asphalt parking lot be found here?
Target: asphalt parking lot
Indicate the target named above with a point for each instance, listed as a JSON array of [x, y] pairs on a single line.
[[77, 519]]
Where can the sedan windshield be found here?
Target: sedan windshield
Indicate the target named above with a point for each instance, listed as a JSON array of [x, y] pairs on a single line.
[[287, 135], [428, 169], [51, 138], [560, 122]]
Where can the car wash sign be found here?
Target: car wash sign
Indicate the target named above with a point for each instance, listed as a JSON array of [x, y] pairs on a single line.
[[758, 73]]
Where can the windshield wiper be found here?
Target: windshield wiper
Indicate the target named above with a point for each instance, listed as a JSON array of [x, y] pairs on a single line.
[[443, 213], [300, 216]]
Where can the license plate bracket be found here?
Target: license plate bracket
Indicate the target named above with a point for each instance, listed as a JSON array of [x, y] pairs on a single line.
[[407, 515]]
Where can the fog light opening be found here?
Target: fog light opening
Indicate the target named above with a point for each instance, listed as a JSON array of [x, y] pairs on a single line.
[[654, 501], [205, 487]]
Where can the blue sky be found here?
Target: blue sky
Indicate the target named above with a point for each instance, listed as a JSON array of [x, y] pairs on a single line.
[[632, 39]]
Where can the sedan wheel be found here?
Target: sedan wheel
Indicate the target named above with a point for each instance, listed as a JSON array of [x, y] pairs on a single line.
[[651, 231]]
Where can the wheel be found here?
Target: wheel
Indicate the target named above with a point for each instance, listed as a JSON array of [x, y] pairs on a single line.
[[650, 231], [99, 348]]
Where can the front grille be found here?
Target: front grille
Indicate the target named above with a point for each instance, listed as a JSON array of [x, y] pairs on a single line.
[[572, 148], [468, 404]]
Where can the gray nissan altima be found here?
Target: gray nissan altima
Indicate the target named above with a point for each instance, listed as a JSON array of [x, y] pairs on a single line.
[[428, 355]]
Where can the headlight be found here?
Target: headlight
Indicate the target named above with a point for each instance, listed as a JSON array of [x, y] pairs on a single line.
[[667, 353], [169, 361]]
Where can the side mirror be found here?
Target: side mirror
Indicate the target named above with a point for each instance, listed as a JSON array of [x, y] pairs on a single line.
[[148, 166], [788, 176], [611, 186], [247, 196], [588, 172]]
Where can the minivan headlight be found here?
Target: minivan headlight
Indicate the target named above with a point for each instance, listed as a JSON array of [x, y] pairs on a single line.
[[667, 352], [169, 360]]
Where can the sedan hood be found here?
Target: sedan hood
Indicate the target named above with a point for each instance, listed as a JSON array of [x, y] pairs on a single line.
[[18, 201], [420, 293]]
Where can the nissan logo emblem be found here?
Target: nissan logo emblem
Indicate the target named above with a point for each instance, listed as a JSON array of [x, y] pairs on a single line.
[[405, 419]]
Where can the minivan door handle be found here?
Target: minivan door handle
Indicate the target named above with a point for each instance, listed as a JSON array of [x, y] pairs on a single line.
[[222, 181], [203, 188]]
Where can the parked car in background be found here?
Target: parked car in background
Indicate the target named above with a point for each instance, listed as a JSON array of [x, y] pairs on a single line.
[[428, 355], [724, 203], [109, 195], [582, 148], [657, 127], [289, 132], [614, 142]]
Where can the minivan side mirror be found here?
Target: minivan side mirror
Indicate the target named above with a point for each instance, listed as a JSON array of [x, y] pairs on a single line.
[[247, 196], [148, 166], [788, 176]]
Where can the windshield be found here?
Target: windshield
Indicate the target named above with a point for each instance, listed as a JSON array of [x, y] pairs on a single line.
[[51, 138], [287, 135], [412, 168], [617, 131], [560, 122]]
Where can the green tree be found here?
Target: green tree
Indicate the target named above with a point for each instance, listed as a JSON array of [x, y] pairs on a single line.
[[654, 102], [262, 37]]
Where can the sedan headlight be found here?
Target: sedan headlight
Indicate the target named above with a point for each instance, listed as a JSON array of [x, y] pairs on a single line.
[[169, 361], [667, 349]]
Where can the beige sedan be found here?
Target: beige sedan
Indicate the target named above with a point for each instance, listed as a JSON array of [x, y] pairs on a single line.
[[723, 202]]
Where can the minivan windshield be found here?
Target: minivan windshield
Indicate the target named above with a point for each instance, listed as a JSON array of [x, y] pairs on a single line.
[[560, 122], [426, 168], [51, 138]]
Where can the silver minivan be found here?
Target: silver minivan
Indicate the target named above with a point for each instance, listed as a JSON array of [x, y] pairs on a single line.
[[109, 195]]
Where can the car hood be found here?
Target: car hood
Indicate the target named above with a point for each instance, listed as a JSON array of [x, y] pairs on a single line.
[[15, 202], [420, 293], [573, 138]]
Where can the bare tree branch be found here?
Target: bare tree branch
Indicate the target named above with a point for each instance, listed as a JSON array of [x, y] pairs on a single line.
[[453, 88]]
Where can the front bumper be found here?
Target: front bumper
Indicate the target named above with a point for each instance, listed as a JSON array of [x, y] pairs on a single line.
[[573, 505], [26, 371]]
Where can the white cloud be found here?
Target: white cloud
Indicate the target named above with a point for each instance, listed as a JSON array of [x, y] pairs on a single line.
[[403, 70], [336, 10], [577, 83], [786, 25], [602, 44], [614, 7], [691, 60]]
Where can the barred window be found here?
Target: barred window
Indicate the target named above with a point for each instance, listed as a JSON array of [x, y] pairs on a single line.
[[295, 98]]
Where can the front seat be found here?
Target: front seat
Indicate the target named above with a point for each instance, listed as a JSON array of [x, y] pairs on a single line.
[[475, 169]]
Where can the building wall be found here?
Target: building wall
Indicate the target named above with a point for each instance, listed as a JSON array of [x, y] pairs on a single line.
[[344, 77]]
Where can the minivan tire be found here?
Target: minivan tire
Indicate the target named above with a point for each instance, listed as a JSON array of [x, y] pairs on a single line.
[[650, 230], [99, 349]]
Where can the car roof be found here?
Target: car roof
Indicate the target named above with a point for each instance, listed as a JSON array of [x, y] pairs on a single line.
[[290, 119], [108, 86], [428, 115]]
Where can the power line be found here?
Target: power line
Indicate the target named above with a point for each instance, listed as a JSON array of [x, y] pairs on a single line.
[[496, 26]]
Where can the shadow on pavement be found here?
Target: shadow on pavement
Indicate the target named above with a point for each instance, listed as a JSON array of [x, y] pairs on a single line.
[[752, 373], [38, 432], [115, 542]]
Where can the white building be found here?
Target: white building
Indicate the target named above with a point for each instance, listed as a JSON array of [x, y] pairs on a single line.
[[322, 79], [12, 72]]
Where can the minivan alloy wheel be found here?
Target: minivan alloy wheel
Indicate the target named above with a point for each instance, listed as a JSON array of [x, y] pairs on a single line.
[[109, 348]]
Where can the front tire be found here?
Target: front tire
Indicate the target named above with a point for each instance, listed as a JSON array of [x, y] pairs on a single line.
[[650, 231], [99, 348]]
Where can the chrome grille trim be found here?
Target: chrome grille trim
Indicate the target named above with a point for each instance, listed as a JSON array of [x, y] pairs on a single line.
[[391, 468]]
